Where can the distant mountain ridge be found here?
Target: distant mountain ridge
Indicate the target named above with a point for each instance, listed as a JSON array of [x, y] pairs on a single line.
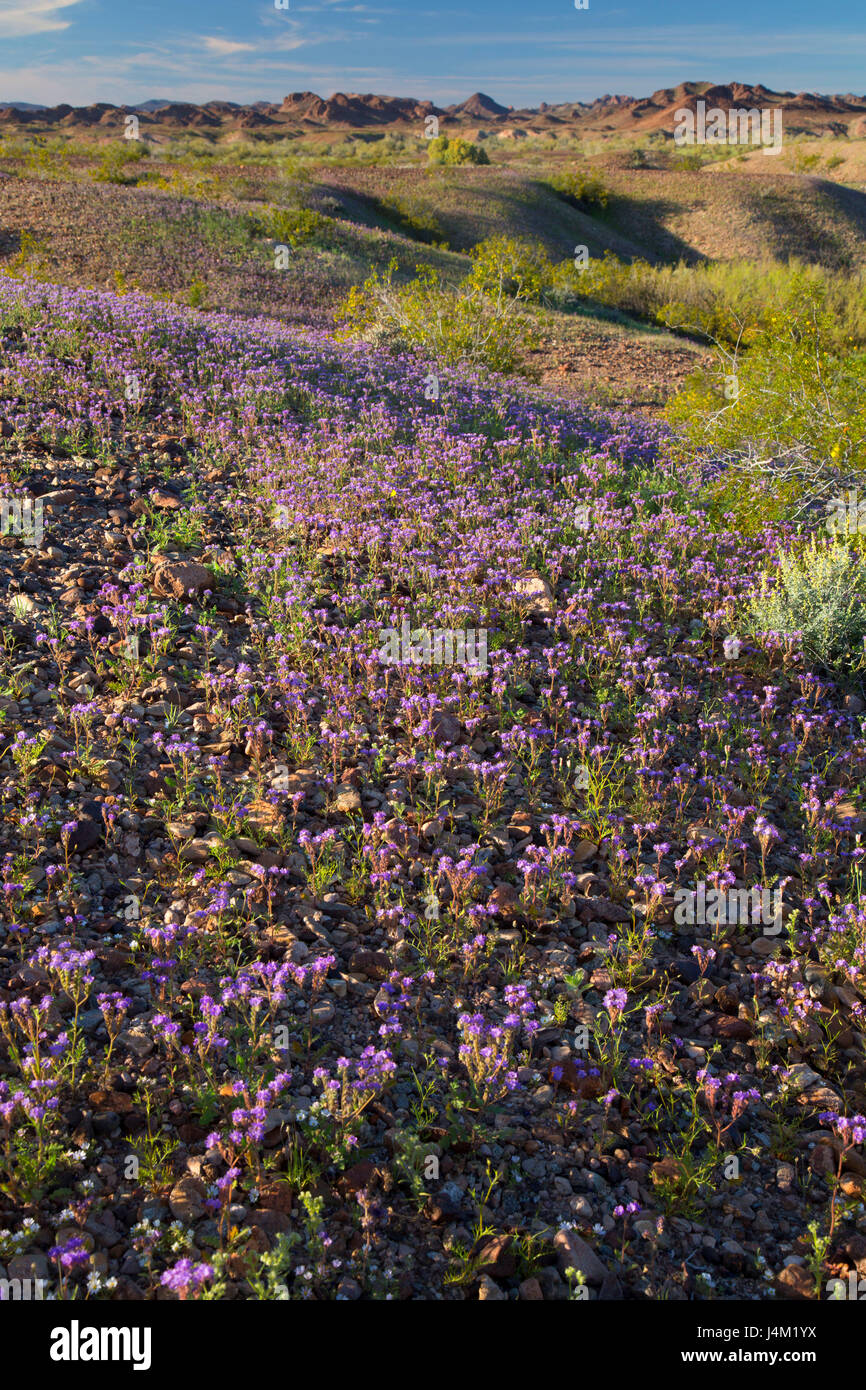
[[307, 111]]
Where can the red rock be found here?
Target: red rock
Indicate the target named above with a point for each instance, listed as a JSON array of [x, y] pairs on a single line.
[[822, 1159], [186, 1200], [446, 729], [530, 1291], [495, 1257], [504, 899], [795, 1282], [176, 578], [734, 1029], [535, 596], [373, 964], [667, 1170], [271, 1223], [111, 1100], [574, 1253], [190, 1133], [359, 1175], [587, 1087], [277, 1196]]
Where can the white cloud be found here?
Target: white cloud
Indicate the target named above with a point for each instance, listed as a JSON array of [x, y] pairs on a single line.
[[224, 47], [20, 18]]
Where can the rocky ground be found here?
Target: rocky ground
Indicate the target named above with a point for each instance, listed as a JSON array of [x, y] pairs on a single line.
[[323, 977]]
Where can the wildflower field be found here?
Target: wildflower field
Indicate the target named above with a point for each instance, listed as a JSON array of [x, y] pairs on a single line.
[[335, 966]]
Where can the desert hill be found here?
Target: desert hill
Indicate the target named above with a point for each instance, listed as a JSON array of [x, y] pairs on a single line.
[[805, 112]]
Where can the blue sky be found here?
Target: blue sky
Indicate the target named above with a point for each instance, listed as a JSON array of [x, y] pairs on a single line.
[[518, 51]]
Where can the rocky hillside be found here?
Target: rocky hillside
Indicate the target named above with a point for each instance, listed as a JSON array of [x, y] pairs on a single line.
[[806, 112]]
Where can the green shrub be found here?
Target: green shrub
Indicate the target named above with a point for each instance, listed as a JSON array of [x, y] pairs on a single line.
[[800, 159], [689, 161], [634, 287], [581, 187], [229, 234], [46, 160], [295, 226], [507, 265], [413, 218], [819, 592], [116, 161], [724, 302], [444, 325], [789, 411], [31, 259], [455, 150], [195, 295]]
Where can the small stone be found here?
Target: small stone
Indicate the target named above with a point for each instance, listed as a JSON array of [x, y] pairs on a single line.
[[30, 1266], [446, 729], [795, 1282], [162, 497], [89, 829], [535, 596], [495, 1257], [822, 1160], [446, 1204], [490, 1292], [347, 800], [801, 1077], [323, 1012], [194, 852], [505, 900], [574, 1253], [764, 945], [553, 1287], [138, 1043], [530, 1291], [176, 580], [186, 1199], [733, 1028]]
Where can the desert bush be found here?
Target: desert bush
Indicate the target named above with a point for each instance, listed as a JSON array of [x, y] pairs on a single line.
[[413, 218], [445, 325], [746, 295], [30, 260], [634, 287], [187, 183], [295, 226], [196, 294], [723, 302], [117, 159], [582, 188], [455, 150], [819, 592], [48, 160], [801, 159], [225, 232], [508, 265], [688, 162], [15, 147], [787, 414]]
